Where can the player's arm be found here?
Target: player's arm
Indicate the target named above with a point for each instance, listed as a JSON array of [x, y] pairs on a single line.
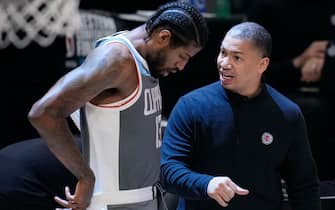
[[104, 68]]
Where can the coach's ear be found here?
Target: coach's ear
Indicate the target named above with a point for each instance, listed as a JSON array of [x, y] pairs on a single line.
[[263, 64]]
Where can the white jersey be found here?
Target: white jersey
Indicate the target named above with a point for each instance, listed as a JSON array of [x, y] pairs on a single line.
[[122, 140]]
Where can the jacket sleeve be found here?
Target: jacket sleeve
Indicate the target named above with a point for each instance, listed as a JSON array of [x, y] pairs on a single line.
[[300, 171], [176, 174]]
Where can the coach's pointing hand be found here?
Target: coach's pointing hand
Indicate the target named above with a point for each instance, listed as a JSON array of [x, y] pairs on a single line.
[[223, 189]]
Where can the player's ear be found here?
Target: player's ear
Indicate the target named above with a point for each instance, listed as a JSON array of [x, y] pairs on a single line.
[[164, 37]]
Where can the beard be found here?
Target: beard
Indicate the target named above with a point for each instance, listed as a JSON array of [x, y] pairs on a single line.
[[156, 64]]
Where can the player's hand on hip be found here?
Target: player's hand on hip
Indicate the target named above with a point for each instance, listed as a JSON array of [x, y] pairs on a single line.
[[223, 189], [80, 200]]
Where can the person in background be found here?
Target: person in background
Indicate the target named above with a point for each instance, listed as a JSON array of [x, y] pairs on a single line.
[[298, 56], [115, 101], [228, 145]]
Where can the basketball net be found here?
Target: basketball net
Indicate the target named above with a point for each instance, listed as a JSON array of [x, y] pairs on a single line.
[[41, 21]]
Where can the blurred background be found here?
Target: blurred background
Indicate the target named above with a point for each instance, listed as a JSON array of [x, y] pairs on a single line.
[[40, 40]]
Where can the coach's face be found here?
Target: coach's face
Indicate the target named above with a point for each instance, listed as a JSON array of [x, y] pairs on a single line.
[[240, 66]]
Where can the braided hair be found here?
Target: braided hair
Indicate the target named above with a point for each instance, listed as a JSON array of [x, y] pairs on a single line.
[[184, 21]]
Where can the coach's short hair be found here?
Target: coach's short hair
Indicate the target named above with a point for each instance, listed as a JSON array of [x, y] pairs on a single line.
[[256, 33]]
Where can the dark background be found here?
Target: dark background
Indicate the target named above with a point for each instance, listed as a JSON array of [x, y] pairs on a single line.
[[28, 73]]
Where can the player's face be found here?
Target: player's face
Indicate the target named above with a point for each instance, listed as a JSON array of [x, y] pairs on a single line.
[[240, 66], [170, 60]]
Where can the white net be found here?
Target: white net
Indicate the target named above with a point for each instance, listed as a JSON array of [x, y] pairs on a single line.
[[22, 22]]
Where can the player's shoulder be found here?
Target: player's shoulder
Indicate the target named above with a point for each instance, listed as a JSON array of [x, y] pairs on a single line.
[[116, 46]]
